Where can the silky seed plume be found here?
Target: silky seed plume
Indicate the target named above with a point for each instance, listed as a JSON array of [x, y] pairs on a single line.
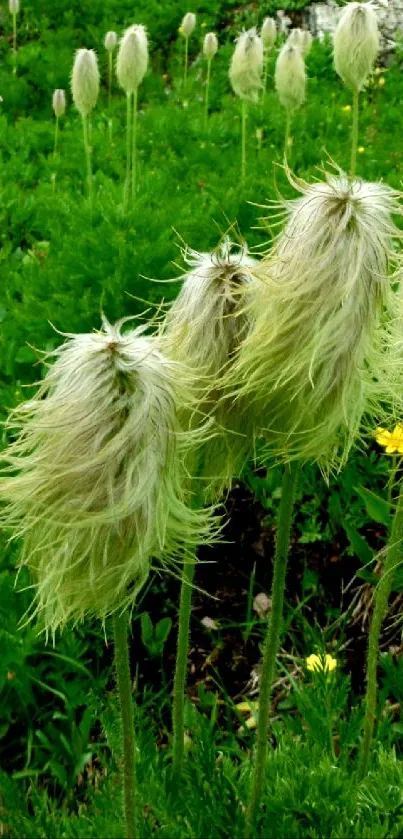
[[85, 81], [111, 40], [188, 24], [59, 102], [313, 362], [356, 44], [306, 42], [290, 77], [210, 45], [268, 33], [246, 66], [295, 38], [96, 483], [132, 60], [14, 6]]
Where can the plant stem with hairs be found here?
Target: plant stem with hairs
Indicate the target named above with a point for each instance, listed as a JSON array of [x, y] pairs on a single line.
[[181, 664], [381, 597], [128, 151], [122, 665], [287, 133], [87, 157], [14, 16], [243, 138], [56, 137], [110, 71], [134, 145], [354, 138], [206, 101], [185, 71], [271, 644]]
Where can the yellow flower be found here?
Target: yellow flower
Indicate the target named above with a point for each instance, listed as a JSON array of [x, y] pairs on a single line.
[[346, 108], [392, 441], [381, 81], [317, 662], [361, 149]]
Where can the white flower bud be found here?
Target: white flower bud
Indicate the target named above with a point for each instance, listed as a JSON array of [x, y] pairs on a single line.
[[210, 45], [59, 102], [14, 6], [356, 44], [290, 77], [268, 33], [132, 60], [188, 24], [111, 40], [85, 81], [246, 67]]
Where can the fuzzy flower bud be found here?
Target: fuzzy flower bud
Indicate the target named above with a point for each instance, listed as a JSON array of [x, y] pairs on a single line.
[[210, 45], [246, 66], [268, 33], [204, 329], [98, 484], [290, 77], [313, 362], [356, 44], [85, 81], [188, 24], [59, 102], [295, 38], [111, 40], [14, 6], [132, 60]]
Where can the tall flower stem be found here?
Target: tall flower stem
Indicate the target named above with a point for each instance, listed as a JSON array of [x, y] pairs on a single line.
[[381, 597], [272, 640], [122, 665], [14, 16], [243, 138], [287, 134], [206, 100], [56, 137], [128, 150], [134, 145], [185, 71], [354, 136], [178, 722], [265, 71], [87, 157], [110, 74]]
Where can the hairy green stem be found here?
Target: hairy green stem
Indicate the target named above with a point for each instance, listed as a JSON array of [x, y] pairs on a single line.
[[15, 43], [243, 138], [56, 137], [206, 100], [287, 134], [354, 135], [265, 71], [178, 722], [381, 597], [272, 640], [128, 151], [110, 75], [134, 145], [87, 157], [185, 72], [123, 680]]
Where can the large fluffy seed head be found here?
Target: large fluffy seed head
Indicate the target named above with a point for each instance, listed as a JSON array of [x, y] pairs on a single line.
[[132, 60], [268, 33], [210, 45], [188, 24], [356, 44], [311, 363], [295, 38], [59, 102], [85, 81], [204, 329], [111, 40], [98, 484], [246, 66], [14, 6], [290, 77]]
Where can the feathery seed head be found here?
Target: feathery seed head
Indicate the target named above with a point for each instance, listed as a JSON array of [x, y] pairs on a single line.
[[111, 40], [246, 66], [290, 77], [14, 6], [188, 24], [98, 485], [132, 60], [356, 44], [295, 38], [306, 42], [85, 81], [59, 102], [268, 33], [314, 360], [210, 45]]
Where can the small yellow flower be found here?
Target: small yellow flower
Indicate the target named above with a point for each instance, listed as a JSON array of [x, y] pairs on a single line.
[[346, 108], [204, 24], [180, 29], [361, 149], [381, 81], [317, 662], [392, 441], [247, 707]]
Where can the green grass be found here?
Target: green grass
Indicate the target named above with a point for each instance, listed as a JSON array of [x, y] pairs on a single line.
[[61, 265]]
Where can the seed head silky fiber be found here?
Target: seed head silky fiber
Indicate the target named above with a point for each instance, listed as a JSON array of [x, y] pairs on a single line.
[[132, 59], [96, 478], [290, 77], [210, 45], [311, 363], [295, 38], [203, 330], [356, 44], [268, 33], [85, 81], [306, 42], [14, 6], [188, 24], [246, 66], [111, 40], [59, 102]]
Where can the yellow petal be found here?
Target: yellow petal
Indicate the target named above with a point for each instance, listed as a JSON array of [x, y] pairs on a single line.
[[247, 707]]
